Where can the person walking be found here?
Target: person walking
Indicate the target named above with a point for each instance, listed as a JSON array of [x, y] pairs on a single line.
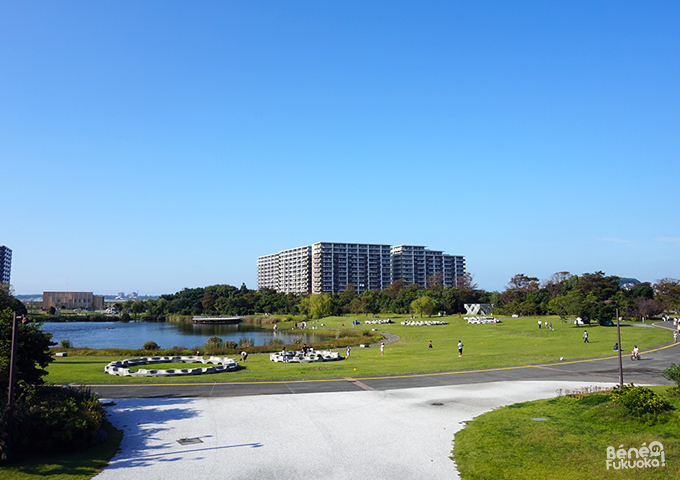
[[382, 349], [430, 344], [585, 336], [539, 324], [460, 348], [675, 336], [348, 351]]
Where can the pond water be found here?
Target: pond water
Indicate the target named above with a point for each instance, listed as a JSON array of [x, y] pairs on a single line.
[[165, 334]]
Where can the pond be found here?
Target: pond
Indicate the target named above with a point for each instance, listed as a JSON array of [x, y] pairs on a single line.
[[166, 334]]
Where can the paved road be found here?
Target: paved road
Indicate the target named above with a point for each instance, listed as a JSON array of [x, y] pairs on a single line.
[[605, 369]]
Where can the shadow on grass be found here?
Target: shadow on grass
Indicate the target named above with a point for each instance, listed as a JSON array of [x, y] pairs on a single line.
[[67, 466]]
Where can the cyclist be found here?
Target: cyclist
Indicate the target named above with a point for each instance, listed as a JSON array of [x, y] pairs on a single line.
[[636, 353]]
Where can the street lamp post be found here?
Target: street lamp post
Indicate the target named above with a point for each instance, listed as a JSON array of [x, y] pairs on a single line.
[[618, 334], [12, 375]]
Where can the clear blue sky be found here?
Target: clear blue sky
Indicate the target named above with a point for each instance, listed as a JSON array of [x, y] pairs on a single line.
[[152, 146]]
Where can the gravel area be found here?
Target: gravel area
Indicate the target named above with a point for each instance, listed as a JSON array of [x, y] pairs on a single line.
[[404, 433]]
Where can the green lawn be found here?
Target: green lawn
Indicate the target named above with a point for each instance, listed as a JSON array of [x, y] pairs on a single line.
[[572, 443], [512, 342]]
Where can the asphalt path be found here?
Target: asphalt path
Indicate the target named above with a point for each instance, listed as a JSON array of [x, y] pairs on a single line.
[[647, 370]]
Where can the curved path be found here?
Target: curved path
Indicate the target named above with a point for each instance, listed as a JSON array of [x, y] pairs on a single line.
[[602, 369]]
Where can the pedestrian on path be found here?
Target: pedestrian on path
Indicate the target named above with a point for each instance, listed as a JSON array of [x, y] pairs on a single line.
[[675, 336], [382, 349], [460, 348], [348, 351], [585, 336]]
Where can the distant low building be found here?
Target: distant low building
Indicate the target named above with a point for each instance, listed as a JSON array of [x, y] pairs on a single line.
[[73, 300]]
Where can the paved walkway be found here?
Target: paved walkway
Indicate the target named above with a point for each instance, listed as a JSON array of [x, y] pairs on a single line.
[[402, 433]]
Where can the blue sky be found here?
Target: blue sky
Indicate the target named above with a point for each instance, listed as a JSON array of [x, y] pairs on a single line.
[[152, 146]]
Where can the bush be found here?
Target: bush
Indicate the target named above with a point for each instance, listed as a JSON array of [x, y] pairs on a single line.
[[246, 342], [229, 345], [275, 341], [638, 401], [54, 419], [672, 373], [65, 344], [214, 342], [150, 346], [297, 340]]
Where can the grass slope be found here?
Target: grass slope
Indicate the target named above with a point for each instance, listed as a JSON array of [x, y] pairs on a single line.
[[507, 444]]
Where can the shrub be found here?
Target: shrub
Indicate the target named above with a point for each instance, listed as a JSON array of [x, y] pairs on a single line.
[[214, 342], [65, 344], [54, 419], [275, 341], [246, 342], [229, 345], [638, 401], [150, 345], [297, 340], [672, 373]]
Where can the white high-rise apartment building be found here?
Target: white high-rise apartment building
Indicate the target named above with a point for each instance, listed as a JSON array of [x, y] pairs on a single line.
[[336, 265], [416, 264], [5, 264], [327, 267], [288, 271]]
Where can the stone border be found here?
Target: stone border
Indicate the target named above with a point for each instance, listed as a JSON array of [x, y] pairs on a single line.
[[482, 320], [421, 323], [121, 368], [301, 357]]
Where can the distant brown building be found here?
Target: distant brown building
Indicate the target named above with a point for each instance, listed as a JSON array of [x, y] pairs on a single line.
[[73, 300]]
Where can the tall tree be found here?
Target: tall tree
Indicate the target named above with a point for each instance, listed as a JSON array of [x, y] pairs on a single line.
[[567, 306], [33, 349], [423, 305], [668, 292]]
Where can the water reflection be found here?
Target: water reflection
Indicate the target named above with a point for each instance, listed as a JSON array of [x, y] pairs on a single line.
[[165, 334]]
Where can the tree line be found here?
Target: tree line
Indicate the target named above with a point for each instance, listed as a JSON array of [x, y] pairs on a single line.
[[562, 294], [590, 295], [229, 300]]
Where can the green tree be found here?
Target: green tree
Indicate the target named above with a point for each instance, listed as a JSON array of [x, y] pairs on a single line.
[[668, 292], [423, 305], [567, 306], [33, 350], [316, 305]]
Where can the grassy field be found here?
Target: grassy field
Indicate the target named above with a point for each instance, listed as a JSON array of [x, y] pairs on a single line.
[[515, 341], [507, 444], [67, 466]]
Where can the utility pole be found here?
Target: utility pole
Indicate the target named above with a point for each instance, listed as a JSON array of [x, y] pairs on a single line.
[[12, 375]]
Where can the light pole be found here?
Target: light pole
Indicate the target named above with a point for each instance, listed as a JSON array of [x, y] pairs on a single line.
[[618, 334], [12, 375]]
